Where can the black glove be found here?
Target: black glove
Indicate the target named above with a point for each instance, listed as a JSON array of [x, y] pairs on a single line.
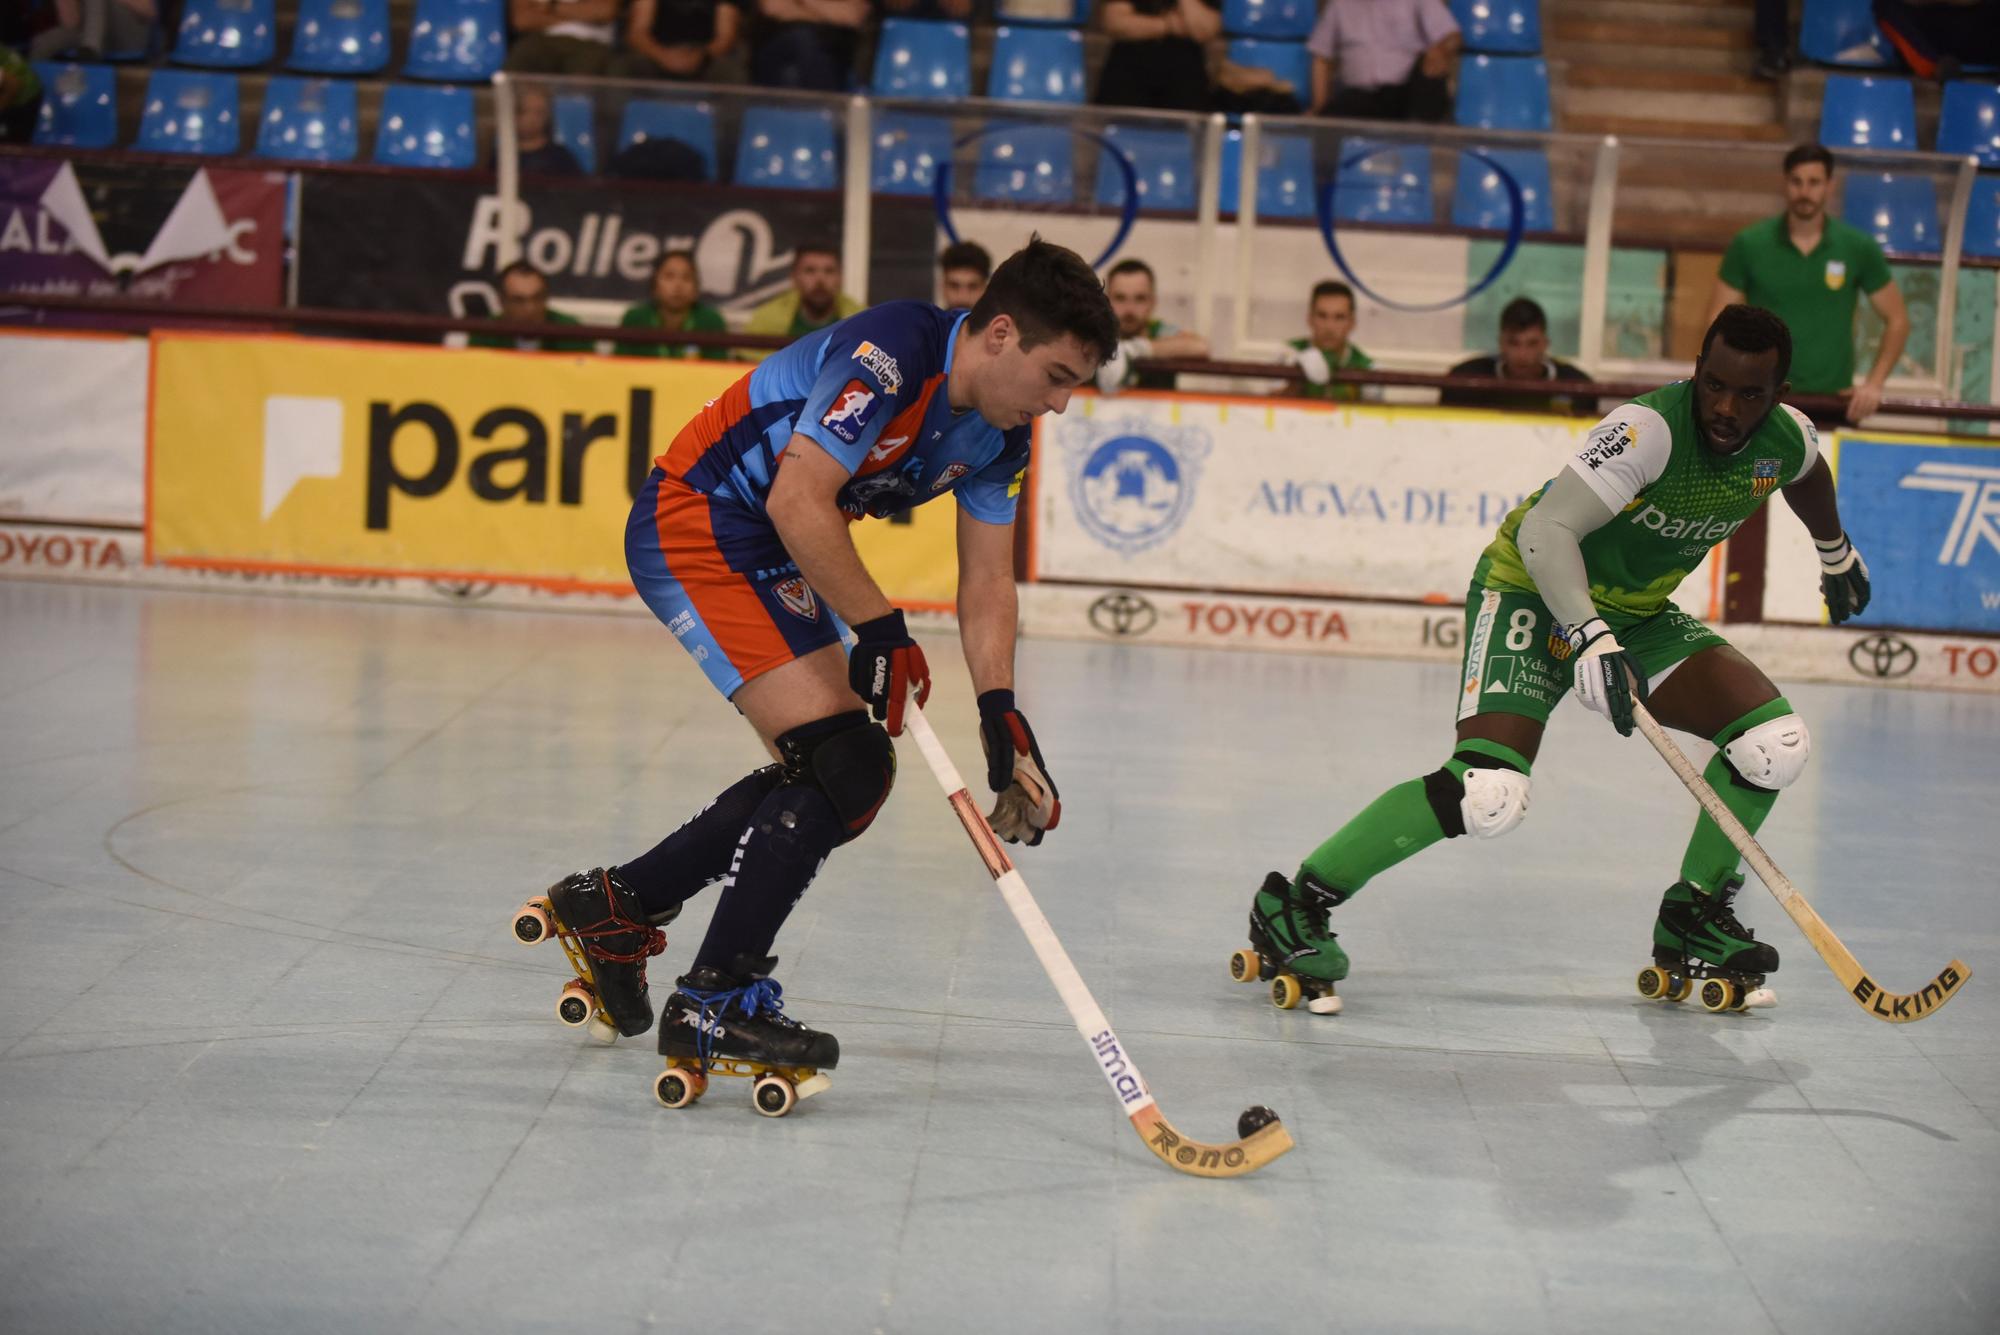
[[885, 665], [1028, 806], [1607, 674], [1843, 579]]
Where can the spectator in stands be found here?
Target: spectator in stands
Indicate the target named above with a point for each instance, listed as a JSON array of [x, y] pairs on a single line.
[[524, 299], [1158, 55], [807, 43], [676, 305], [20, 97], [960, 10], [814, 300], [86, 29], [1939, 38], [1384, 59], [962, 273], [562, 36], [534, 114], [1327, 346], [1524, 355], [677, 39], [1808, 269], [1134, 295], [1773, 32]]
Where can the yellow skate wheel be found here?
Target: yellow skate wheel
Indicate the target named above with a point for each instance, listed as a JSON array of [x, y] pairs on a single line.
[[532, 922], [1653, 984], [774, 1095], [1245, 966], [1678, 988], [575, 1005], [1286, 992], [676, 1089], [1718, 994]]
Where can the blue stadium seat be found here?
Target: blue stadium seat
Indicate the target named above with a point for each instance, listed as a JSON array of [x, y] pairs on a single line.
[[425, 127], [189, 111], [1162, 161], [1027, 163], [1285, 180], [341, 37], [693, 123], [1982, 219], [1900, 212], [1503, 92], [1036, 65], [1481, 201], [787, 147], [575, 128], [1843, 32], [227, 34], [908, 150], [1074, 16], [1278, 20], [1508, 27], [1290, 61], [1865, 111], [79, 105], [921, 58], [1970, 121], [457, 41], [309, 120], [1390, 185]]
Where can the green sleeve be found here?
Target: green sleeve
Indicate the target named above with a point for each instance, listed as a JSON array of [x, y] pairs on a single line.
[[709, 320], [1359, 360], [1872, 272], [1735, 269], [636, 317]]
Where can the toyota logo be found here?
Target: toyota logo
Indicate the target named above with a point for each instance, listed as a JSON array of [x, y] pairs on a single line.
[[1121, 614], [1882, 655]]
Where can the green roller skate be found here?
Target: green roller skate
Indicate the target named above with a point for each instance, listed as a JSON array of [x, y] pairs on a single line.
[[1290, 945], [1697, 940]]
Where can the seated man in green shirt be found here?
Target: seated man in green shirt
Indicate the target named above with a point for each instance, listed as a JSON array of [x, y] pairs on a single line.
[[1807, 269], [676, 306], [1330, 317], [1134, 297], [814, 301], [524, 299]]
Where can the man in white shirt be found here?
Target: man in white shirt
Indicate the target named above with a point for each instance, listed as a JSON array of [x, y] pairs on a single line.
[[1384, 59]]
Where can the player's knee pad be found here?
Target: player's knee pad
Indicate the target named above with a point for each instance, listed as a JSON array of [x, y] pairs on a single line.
[[1772, 754], [1486, 803], [847, 758]]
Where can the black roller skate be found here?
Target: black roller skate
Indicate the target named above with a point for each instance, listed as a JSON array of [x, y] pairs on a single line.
[[1697, 940], [734, 1023], [605, 932], [1291, 947]]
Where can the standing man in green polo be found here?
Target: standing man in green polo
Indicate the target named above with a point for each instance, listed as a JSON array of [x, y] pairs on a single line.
[[1809, 269]]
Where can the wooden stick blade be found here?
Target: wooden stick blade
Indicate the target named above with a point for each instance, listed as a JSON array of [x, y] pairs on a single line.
[[1899, 1008], [1198, 1159]]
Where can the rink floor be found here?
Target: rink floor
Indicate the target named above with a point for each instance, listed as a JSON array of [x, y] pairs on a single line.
[[270, 1059]]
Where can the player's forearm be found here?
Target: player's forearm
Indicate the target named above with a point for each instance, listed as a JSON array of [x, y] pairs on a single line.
[[818, 539], [988, 610], [1812, 499]]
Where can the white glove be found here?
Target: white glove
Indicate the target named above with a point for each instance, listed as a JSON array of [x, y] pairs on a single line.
[[1111, 375], [1312, 362], [1607, 674]]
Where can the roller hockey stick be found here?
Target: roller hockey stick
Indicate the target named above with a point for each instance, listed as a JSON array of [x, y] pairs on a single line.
[[1262, 1136], [1895, 1007]]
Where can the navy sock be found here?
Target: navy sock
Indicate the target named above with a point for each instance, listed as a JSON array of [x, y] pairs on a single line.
[[696, 855], [778, 854]]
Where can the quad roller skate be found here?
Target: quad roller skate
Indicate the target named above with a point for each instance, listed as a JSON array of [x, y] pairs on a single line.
[[601, 926], [734, 1023], [1290, 945], [1700, 949]]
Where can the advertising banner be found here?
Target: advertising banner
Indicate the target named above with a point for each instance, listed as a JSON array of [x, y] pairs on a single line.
[[1926, 518], [74, 444], [152, 232]]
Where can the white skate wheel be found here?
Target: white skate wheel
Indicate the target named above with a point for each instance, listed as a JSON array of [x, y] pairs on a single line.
[[532, 923], [812, 1085], [603, 1030], [1326, 1005], [1763, 996], [773, 1095], [574, 1006]]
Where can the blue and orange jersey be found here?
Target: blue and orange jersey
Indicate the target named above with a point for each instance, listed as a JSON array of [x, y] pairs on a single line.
[[871, 392]]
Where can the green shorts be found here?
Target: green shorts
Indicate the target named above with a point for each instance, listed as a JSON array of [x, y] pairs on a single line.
[[1517, 661]]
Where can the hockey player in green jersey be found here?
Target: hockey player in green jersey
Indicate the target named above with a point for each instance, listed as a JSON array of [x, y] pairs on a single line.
[[1574, 591]]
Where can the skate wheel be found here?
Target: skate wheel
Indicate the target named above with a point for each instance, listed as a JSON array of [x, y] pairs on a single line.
[[677, 1089], [1246, 966], [1653, 984], [603, 1030], [812, 1084], [773, 1095], [574, 1006], [532, 923], [1718, 994], [1678, 988], [1286, 992], [1329, 1004]]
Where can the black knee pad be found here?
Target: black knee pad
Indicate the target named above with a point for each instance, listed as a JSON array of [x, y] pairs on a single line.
[[847, 758]]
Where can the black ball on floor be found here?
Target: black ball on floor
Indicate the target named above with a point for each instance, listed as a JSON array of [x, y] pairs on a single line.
[[1254, 1119]]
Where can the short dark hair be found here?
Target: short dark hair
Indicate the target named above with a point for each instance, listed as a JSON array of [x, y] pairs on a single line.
[[1124, 267], [1330, 287], [1048, 291], [680, 253], [1752, 329], [1805, 153], [967, 255], [1523, 313], [523, 267], [806, 248]]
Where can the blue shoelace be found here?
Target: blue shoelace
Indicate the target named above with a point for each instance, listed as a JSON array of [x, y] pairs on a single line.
[[762, 997]]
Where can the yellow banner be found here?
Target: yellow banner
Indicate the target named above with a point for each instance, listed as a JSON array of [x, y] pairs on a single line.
[[299, 454]]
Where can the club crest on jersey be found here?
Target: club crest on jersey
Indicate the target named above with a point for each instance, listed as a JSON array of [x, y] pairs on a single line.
[[881, 364], [1763, 476], [1836, 275], [797, 596], [848, 417], [952, 473]]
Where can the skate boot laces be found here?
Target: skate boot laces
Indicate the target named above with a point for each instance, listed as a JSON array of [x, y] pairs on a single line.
[[765, 997], [1720, 912]]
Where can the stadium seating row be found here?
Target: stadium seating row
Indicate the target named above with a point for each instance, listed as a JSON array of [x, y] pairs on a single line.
[[1899, 209]]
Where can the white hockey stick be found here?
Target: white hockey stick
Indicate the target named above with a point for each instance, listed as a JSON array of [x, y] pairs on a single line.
[[1895, 1007], [1262, 1137]]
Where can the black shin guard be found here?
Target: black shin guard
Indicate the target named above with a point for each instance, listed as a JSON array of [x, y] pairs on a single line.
[[696, 855], [779, 852]]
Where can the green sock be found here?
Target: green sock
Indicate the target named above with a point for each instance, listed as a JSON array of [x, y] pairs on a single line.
[[1710, 857], [1397, 825]]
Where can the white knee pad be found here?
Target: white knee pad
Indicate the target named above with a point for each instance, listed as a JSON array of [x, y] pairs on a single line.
[[1772, 755], [1495, 801]]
